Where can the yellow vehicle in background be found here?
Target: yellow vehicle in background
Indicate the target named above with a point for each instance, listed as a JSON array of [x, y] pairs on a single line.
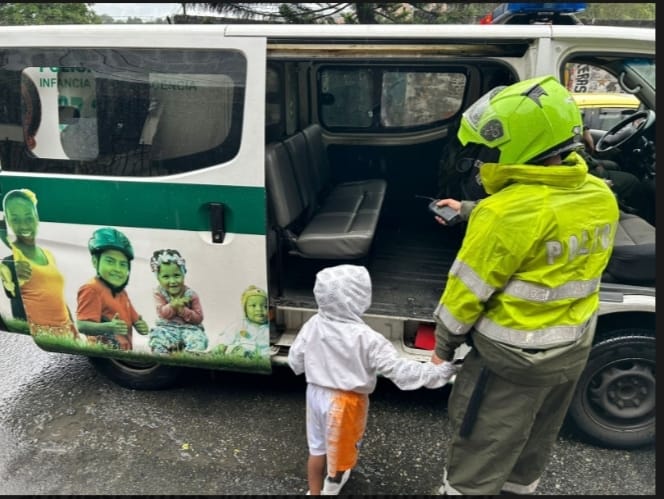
[[603, 110]]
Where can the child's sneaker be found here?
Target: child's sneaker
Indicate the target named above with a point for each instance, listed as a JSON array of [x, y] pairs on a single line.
[[331, 488]]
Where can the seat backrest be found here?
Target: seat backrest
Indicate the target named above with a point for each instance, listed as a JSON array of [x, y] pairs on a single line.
[[296, 146], [633, 258], [318, 157], [283, 190]]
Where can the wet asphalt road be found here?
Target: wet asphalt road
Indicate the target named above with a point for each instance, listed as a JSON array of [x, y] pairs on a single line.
[[64, 430]]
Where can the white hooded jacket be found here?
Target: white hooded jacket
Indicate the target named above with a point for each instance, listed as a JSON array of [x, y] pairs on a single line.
[[336, 349]]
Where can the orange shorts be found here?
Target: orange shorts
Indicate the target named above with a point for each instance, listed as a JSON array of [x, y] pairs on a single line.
[[336, 421]]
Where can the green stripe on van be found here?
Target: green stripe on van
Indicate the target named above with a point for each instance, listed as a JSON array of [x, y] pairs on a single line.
[[142, 204]]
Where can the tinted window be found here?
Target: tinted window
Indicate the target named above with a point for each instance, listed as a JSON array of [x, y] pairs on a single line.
[[120, 112], [388, 98]]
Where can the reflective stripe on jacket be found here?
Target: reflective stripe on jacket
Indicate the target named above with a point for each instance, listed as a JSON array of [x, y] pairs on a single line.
[[528, 272]]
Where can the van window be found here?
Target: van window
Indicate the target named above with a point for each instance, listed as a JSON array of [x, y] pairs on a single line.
[[589, 78], [646, 68], [381, 98], [120, 112]]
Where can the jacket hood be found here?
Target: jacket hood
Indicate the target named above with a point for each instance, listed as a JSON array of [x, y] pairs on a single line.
[[343, 292], [570, 174]]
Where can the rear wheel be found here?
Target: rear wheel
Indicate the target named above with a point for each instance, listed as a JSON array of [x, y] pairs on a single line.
[[137, 375], [614, 403]]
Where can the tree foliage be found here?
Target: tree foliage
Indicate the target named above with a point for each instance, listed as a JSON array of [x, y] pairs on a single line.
[[350, 12], [12, 14], [399, 12], [313, 13], [619, 11]]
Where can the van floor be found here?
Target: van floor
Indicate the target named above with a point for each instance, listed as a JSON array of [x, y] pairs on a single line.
[[408, 266]]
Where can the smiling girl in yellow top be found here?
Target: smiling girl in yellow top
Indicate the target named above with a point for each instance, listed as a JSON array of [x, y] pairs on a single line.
[[40, 301]]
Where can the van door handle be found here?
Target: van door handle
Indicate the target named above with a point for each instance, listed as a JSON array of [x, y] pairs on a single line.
[[217, 223]]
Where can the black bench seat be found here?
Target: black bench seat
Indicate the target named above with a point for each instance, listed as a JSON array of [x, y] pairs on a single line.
[[313, 217]]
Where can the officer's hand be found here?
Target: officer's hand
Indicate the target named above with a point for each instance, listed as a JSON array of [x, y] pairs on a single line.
[[435, 359], [452, 203]]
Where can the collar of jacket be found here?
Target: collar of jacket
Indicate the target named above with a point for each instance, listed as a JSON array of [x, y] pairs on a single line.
[[570, 174]]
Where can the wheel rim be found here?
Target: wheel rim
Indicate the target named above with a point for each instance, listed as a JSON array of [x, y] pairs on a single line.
[[623, 392]]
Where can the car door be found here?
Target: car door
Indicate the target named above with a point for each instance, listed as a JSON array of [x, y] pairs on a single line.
[[133, 187]]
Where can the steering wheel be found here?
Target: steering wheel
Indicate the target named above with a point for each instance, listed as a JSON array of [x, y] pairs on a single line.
[[626, 130]]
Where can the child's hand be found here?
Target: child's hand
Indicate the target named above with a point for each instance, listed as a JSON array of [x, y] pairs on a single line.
[[448, 369], [141, 326], [118, 325], [443, 373], [23, 271], [7, 281], [179, 303]]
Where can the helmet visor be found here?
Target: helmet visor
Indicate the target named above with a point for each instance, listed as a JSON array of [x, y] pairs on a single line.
[[475, 112]]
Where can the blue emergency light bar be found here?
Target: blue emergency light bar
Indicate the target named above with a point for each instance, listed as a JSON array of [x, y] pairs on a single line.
[[531, 9]]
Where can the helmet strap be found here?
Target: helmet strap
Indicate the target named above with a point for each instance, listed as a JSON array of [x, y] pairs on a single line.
[[114, 289]]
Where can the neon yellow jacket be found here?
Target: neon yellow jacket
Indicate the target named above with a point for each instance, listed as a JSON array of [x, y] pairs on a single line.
[[526, 278]]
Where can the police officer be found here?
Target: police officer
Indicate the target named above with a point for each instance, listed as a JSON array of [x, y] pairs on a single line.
[[524, 288]]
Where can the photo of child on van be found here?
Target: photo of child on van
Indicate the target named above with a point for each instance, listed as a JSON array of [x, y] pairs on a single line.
[[105, 313], [31, 279], [179, 323], [251, 337]]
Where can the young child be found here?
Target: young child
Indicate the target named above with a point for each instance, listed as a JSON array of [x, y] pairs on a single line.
[[341, 357], [105, 313], [251, 337], [180, 315]]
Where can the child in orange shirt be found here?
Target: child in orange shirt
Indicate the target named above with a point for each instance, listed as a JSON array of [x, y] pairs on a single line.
[[105, 313]]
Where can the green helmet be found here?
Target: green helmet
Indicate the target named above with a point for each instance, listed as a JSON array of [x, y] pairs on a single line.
[[109, 238], [526, 122]]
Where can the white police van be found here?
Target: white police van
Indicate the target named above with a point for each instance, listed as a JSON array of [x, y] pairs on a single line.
[[175, 188]]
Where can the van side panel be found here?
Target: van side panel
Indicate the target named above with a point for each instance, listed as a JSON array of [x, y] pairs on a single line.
[[153, 156]]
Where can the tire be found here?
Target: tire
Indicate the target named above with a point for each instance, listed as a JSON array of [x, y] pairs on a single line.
[[614, 402], [137, 375]]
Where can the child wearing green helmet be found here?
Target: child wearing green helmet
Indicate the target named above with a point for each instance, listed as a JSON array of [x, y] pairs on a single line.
[[179, 312], [105, 313]]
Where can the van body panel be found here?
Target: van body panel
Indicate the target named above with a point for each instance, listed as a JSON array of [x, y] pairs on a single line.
[[214, 215]]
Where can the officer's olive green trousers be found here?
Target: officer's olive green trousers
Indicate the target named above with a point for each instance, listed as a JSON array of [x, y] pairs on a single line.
[[516, 428]]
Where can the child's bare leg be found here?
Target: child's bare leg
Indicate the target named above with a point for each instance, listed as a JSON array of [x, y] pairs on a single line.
[[315, 473]]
